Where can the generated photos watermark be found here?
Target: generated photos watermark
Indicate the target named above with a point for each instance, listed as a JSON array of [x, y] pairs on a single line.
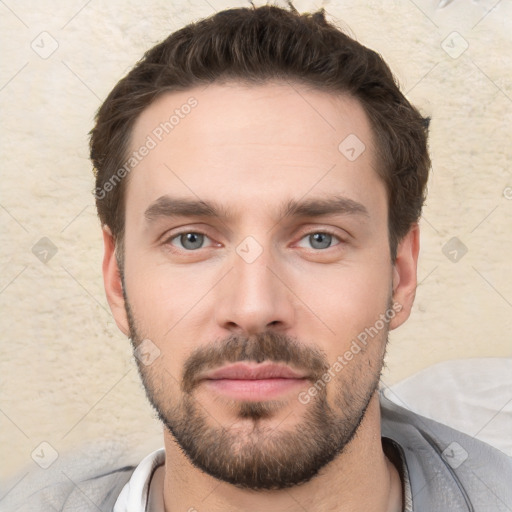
[[151, 142], [357, 345]]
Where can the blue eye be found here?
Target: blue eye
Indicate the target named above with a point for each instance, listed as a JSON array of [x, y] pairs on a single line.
[[319, 240], [190, 241]]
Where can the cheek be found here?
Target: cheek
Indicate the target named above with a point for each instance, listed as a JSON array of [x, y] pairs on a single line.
[[164, 293], [347, 298], [170, 306]]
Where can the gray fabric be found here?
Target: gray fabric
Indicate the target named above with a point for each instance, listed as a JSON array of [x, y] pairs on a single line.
[[470, 476], [90, 478], [96, 494]]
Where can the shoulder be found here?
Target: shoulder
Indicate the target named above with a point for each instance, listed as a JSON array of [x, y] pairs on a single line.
[[89, 479], [448, 468], [98, 493]]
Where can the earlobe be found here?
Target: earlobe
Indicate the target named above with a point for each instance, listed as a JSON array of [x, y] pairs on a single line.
[[112, 282], [405, 275]]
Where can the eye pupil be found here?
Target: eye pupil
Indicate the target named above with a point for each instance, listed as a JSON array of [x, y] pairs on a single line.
[[192, 240], [320, 240]]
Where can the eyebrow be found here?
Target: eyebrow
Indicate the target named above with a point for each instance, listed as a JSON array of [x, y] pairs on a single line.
[[167, 206]]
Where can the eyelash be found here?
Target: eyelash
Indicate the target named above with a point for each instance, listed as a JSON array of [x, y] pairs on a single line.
[[174, 236], [323, 232]]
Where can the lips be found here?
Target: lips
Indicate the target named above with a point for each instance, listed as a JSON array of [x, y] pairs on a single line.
[[245, 371], [254, 382]]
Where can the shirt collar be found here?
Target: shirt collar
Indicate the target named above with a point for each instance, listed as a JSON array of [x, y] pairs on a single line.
[[135, 495]]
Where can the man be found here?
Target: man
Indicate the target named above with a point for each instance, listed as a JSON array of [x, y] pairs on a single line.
[[259, 180]]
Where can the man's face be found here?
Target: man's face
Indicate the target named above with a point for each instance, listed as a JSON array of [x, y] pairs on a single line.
[[252, 299]]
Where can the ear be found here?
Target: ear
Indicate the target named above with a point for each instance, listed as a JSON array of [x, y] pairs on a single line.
[[112, 282], [405, 276]]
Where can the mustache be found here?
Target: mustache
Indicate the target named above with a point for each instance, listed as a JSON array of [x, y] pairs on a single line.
[[267, 346]]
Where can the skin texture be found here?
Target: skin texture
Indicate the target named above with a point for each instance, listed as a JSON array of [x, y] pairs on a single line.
[[252, 150]]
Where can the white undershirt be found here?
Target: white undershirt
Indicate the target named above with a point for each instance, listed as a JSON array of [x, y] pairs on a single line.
[[138, 495]]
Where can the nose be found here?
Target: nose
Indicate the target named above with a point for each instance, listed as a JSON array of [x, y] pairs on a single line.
[[253, 297]]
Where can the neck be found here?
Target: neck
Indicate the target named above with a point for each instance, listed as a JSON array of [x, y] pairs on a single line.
[[362, 477]]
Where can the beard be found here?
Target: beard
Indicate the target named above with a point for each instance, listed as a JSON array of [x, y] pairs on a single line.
[[250, 454]]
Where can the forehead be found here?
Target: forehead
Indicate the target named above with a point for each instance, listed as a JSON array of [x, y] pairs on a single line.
[[257, 144]]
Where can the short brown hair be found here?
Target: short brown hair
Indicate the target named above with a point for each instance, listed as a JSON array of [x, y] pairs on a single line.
[[255, 45]]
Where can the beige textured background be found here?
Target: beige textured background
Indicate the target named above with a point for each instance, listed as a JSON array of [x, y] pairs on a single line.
[[66, 372]]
